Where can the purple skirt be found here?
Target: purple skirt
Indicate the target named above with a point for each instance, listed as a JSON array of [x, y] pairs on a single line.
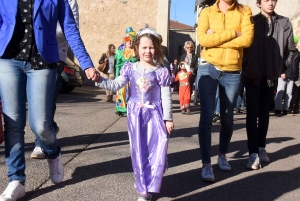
[[148, 145]]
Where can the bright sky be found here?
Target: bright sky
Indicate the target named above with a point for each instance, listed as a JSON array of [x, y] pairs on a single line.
[[183, 11]]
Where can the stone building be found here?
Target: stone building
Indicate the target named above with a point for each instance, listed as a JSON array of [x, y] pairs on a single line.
[[103, 22], [178, 34]]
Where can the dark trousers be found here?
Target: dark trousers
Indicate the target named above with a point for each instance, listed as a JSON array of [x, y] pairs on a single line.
[[294, 105], [258, 104]]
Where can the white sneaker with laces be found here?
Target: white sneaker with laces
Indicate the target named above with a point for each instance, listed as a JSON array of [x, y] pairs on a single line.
[[223, 164], [207, 173], [56, 169], [254, 162], [263, 156], [38, 153], [13, 191]]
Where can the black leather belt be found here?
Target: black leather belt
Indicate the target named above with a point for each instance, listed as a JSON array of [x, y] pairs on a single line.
[[233, 72]]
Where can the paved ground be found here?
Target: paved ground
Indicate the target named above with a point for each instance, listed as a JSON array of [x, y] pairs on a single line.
[[97, 163]]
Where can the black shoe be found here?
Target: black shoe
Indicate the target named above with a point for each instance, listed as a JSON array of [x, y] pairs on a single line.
[[285, 112], [277, 112], [216, 118]]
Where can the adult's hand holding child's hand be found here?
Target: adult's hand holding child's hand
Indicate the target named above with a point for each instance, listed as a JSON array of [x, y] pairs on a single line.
[[91, 73]]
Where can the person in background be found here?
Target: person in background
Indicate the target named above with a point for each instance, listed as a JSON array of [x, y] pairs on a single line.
[[28, 60], [109, 72], [217, 108], [125, 53], [183, 76], [240, 103], [63, 46], [285, 88], [191, 60], [164, 49], [263, 64], [226, 29], [294, 106], [174, 71]]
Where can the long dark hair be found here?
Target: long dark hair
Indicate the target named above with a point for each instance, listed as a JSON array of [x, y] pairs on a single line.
[[159, 56], [109, 52]]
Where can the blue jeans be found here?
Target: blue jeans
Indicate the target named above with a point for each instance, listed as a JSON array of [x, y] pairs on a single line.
[[209, 78], [60, 69], [16, 80]]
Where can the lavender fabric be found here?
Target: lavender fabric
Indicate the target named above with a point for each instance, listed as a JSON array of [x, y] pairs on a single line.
[[146, 128]]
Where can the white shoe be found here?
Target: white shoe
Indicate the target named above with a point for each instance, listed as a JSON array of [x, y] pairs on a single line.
[[56, 169], [207, 173], [13, 191], [254, 162], [223, 164], [263, 156], [38, 153]]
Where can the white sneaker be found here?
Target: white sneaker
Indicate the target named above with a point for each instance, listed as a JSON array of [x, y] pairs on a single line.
[[263, 156], [223, 164], [207, 173], [38, 153], [13, 191], [254, 162], [56, 169]]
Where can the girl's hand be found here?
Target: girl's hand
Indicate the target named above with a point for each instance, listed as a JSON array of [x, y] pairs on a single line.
[[170, 126]]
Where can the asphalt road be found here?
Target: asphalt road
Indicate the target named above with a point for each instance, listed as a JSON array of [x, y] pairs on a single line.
[[95, 153]]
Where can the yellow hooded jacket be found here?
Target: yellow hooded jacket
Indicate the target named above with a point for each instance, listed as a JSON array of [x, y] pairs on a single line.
[[223, 48]]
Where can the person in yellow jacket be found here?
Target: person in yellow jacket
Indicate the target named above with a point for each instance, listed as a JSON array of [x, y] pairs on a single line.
[[224, 29]]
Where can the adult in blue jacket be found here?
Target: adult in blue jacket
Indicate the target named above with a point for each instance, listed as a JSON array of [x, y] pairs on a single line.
[[28, 56]]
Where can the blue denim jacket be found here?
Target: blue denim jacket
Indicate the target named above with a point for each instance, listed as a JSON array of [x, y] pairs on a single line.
[[46, 14]]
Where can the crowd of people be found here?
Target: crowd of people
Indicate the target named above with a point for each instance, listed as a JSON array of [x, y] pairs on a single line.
[[244, 59]]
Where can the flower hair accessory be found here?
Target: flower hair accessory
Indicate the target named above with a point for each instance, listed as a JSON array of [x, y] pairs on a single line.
[[147, 30]]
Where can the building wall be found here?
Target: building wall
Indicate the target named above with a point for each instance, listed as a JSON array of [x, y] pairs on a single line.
[[103, 22], [177, 40]]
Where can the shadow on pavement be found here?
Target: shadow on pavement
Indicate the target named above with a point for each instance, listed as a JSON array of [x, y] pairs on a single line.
[[262, 186], [187, 181]]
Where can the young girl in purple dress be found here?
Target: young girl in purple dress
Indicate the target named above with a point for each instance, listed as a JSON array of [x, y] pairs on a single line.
[[149, 111]]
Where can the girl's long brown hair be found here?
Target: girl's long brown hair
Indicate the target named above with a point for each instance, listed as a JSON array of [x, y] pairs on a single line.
[[159, 56]]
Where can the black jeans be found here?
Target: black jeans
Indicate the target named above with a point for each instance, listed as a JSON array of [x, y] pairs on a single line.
[[258, 104]]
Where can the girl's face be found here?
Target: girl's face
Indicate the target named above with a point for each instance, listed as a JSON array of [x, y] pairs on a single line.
[[267, 6], [146, 50]]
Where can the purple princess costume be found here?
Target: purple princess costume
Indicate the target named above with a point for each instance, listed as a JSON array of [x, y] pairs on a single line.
[[149, 105]]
